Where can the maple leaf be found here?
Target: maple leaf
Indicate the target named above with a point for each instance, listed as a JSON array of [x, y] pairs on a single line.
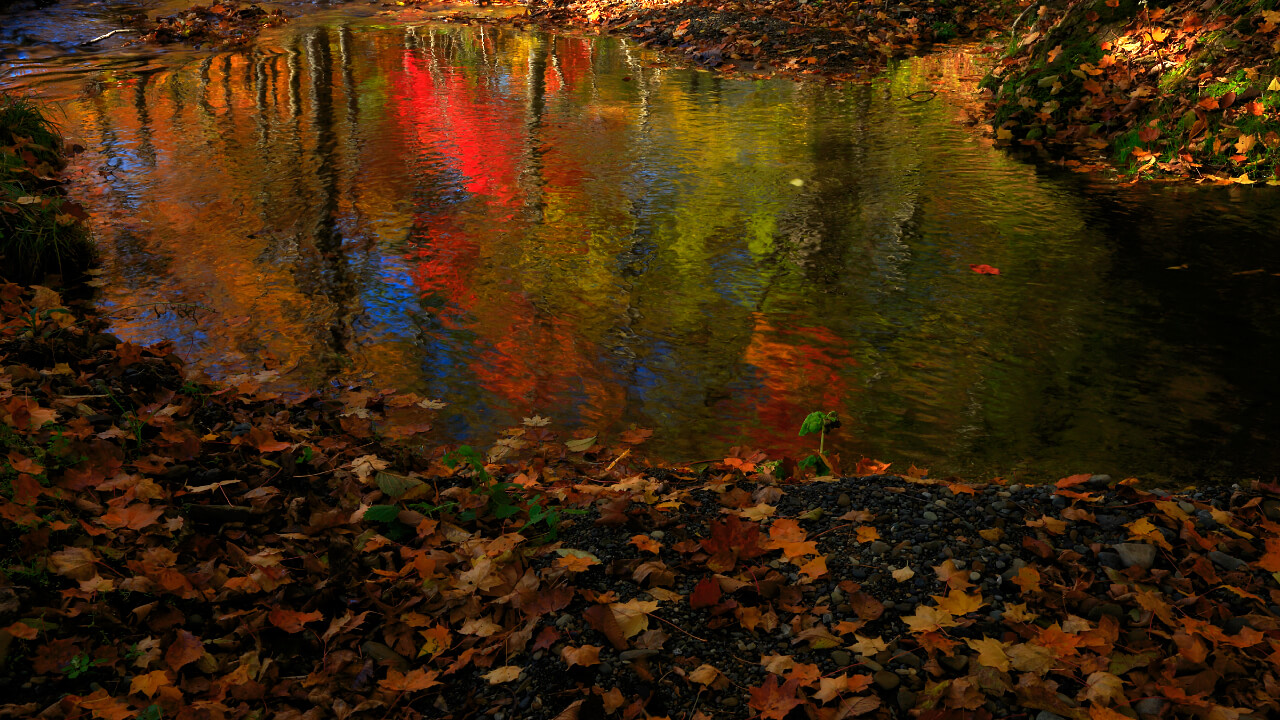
[[1103, 688], [292, 621], [866, 534], [814, 569], [955, 578], [76, 563], [927, 619], [576, 562], [646, 543], [829, 688], [105, 707], [1098, 712], [984, 269], [759, 512], [632, 616], [772, 701], [586, 656], [1026, 657], [868, 646], [412, 681], [149, 683], [903, 573], [730, 540], [957, 603], [504, 674], [777, 664], [705, 594], [704, 674], [1028, 578], [184, 650], [990, 653], [438, 639], [22, 631], [1143, 529]]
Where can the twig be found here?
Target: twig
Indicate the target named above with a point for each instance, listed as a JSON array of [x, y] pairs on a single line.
[[100, 38]]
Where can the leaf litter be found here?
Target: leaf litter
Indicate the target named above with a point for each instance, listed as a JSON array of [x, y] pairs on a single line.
[[180, 549]]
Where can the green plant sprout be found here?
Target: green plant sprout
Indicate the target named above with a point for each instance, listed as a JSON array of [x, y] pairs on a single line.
[[821, 423]]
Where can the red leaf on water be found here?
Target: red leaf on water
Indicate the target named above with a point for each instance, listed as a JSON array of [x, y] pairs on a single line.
[[985, 269]]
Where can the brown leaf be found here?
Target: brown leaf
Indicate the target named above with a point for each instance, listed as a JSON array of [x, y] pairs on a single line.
[[184, 650], [292, 621], [73, 562]]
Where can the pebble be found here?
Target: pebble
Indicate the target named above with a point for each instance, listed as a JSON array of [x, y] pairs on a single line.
[[1226, 561], [841, 657], [879, 547], [1140, 554], [975, 576], [887, 680], [906, 699], [1150, 706], [657, 534], [843, 500], [930, 516]]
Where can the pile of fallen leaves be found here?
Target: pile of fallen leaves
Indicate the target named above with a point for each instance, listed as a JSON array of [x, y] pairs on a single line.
[[222, 24], [1184, 89], [791, 35], [179, 549]]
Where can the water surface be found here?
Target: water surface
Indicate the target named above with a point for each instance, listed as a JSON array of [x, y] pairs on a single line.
[[521, 223]]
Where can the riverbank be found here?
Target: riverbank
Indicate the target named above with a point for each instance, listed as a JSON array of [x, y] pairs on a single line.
[[1184, 91], [178, 548], [40, 230]]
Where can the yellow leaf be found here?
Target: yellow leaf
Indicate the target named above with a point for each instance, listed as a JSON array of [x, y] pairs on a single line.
[[1031, 658], [867, 534], [504, 674], [704, 674], [150, 683], [903, 573], [991, 653], [868, 646], [632, 617], [957, 603], [928, 619], [759, 512]]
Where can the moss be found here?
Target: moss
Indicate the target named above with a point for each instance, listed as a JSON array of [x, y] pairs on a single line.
[[39, 233]]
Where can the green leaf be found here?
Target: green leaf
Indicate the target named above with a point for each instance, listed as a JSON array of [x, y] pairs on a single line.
[[396, 485], [582, 445], [813, 423], [151, 713], [382, 513]]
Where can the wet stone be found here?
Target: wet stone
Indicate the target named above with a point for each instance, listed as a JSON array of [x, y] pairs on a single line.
[[1137, 554], [1226, 561], [841, 657], [887, 680]]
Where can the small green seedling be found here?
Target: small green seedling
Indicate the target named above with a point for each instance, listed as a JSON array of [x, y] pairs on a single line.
[[821, 423]]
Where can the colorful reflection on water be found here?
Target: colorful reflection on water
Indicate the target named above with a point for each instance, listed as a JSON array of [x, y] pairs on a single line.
[[523, 224]]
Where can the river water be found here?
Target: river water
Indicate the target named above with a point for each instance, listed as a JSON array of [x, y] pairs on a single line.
[[520, 223]]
